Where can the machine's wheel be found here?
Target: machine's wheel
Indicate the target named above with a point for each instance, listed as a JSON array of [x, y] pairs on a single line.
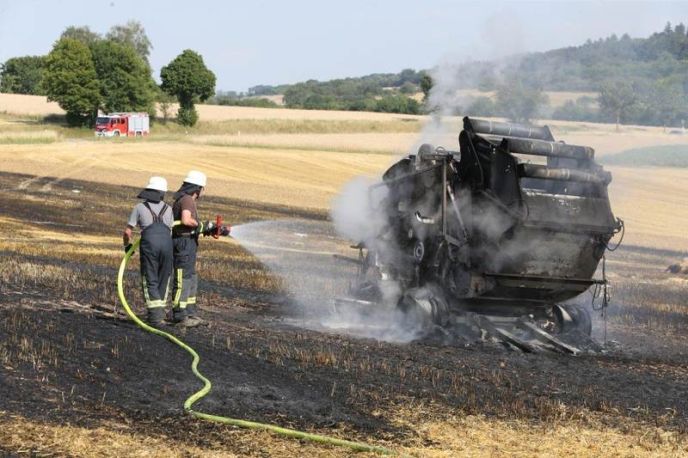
[[366, 286], [573, 317], [116, 134], [425, 307]]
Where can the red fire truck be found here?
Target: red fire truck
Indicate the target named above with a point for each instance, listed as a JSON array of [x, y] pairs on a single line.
[[123, 125]]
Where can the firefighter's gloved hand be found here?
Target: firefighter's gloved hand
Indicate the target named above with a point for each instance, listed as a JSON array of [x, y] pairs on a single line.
[[127, 247], [207, 228], [225, 230]]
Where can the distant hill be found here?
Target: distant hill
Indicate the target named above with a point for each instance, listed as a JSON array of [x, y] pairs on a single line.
[[663, 55], [655, 67], [646, 79], [385, 92], [373, 82]]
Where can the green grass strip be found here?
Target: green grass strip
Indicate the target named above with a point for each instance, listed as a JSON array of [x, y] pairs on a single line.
[[657, 156]]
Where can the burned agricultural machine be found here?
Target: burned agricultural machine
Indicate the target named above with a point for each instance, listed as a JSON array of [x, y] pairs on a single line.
[[496, 236]]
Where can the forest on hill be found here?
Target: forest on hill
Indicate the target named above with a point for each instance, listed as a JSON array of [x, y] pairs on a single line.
[[625, 80], [639, 80]]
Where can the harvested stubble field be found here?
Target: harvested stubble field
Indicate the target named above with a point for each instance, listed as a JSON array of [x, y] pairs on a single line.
[[80, 380]]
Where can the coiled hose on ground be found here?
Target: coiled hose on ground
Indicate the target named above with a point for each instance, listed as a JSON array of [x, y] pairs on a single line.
[[358, 446]]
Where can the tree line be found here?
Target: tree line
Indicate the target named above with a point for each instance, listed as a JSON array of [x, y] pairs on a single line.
[[383, 92], [619, 101], [86, 73], [638, 80]]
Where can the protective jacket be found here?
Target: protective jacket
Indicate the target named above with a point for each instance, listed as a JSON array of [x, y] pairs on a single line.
[[185, 241]]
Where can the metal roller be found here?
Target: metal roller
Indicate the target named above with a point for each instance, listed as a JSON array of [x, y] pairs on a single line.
[[507, 129], [546, 148], [560, 174]]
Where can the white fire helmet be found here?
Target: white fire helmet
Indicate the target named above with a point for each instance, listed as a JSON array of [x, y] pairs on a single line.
[[157, 183], [195, 177]]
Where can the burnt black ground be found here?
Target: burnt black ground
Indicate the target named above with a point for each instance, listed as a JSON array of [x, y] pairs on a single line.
[[67, 362], [110, 364]]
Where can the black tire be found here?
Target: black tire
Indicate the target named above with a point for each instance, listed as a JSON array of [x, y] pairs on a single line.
[[573, 317], [116, 134]]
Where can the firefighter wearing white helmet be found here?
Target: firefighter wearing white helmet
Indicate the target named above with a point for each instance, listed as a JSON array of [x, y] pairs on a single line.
[[154, 217], [196, 177], [187, 229]]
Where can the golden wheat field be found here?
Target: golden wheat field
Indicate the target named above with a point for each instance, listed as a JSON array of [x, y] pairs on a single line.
[[459, 436], [309, 168], [265, 158], [38, 105], [651, 201]]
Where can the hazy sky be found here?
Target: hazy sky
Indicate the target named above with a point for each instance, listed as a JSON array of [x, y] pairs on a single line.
[[271, 42]]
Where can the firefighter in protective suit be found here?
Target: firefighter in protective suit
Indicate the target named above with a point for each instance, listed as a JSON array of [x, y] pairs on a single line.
[[154, 217], [185, 233]]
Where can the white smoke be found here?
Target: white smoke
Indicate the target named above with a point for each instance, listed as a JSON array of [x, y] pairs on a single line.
[[355, 210], [301, 254], [358, 215], [455, 78]]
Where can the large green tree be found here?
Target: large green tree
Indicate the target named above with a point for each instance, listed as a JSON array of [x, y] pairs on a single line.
[[617, 98], [124, 78], [519, 100], [426, 84], [81, 33], [22, 75], [397, 104], [70, 80], [165, 102], [668, 102], [132, 34], [189, 80]]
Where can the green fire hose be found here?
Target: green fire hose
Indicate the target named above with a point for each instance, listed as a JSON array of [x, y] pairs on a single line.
[[358, 446]]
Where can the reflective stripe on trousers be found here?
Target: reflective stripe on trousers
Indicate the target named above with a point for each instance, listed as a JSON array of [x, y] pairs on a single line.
[[185, 288], [153, 303], [156, 254], [185, 278]]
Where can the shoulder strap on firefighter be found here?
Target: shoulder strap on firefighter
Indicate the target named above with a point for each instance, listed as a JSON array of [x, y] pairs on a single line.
[[162, 210], [156, 218]]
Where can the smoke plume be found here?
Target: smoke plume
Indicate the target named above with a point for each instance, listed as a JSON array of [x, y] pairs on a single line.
[[301, 254]]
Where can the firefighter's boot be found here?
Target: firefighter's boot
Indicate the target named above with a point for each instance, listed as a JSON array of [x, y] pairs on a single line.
[[178, 315], [192, 314], [187, 322], [156, 316]]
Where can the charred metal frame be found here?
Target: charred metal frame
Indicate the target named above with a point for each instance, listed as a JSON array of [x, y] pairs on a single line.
[[462, 275], [539, 142]]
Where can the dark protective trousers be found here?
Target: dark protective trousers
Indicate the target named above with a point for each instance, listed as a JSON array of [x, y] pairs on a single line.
[[156, 264], [185, 278]]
